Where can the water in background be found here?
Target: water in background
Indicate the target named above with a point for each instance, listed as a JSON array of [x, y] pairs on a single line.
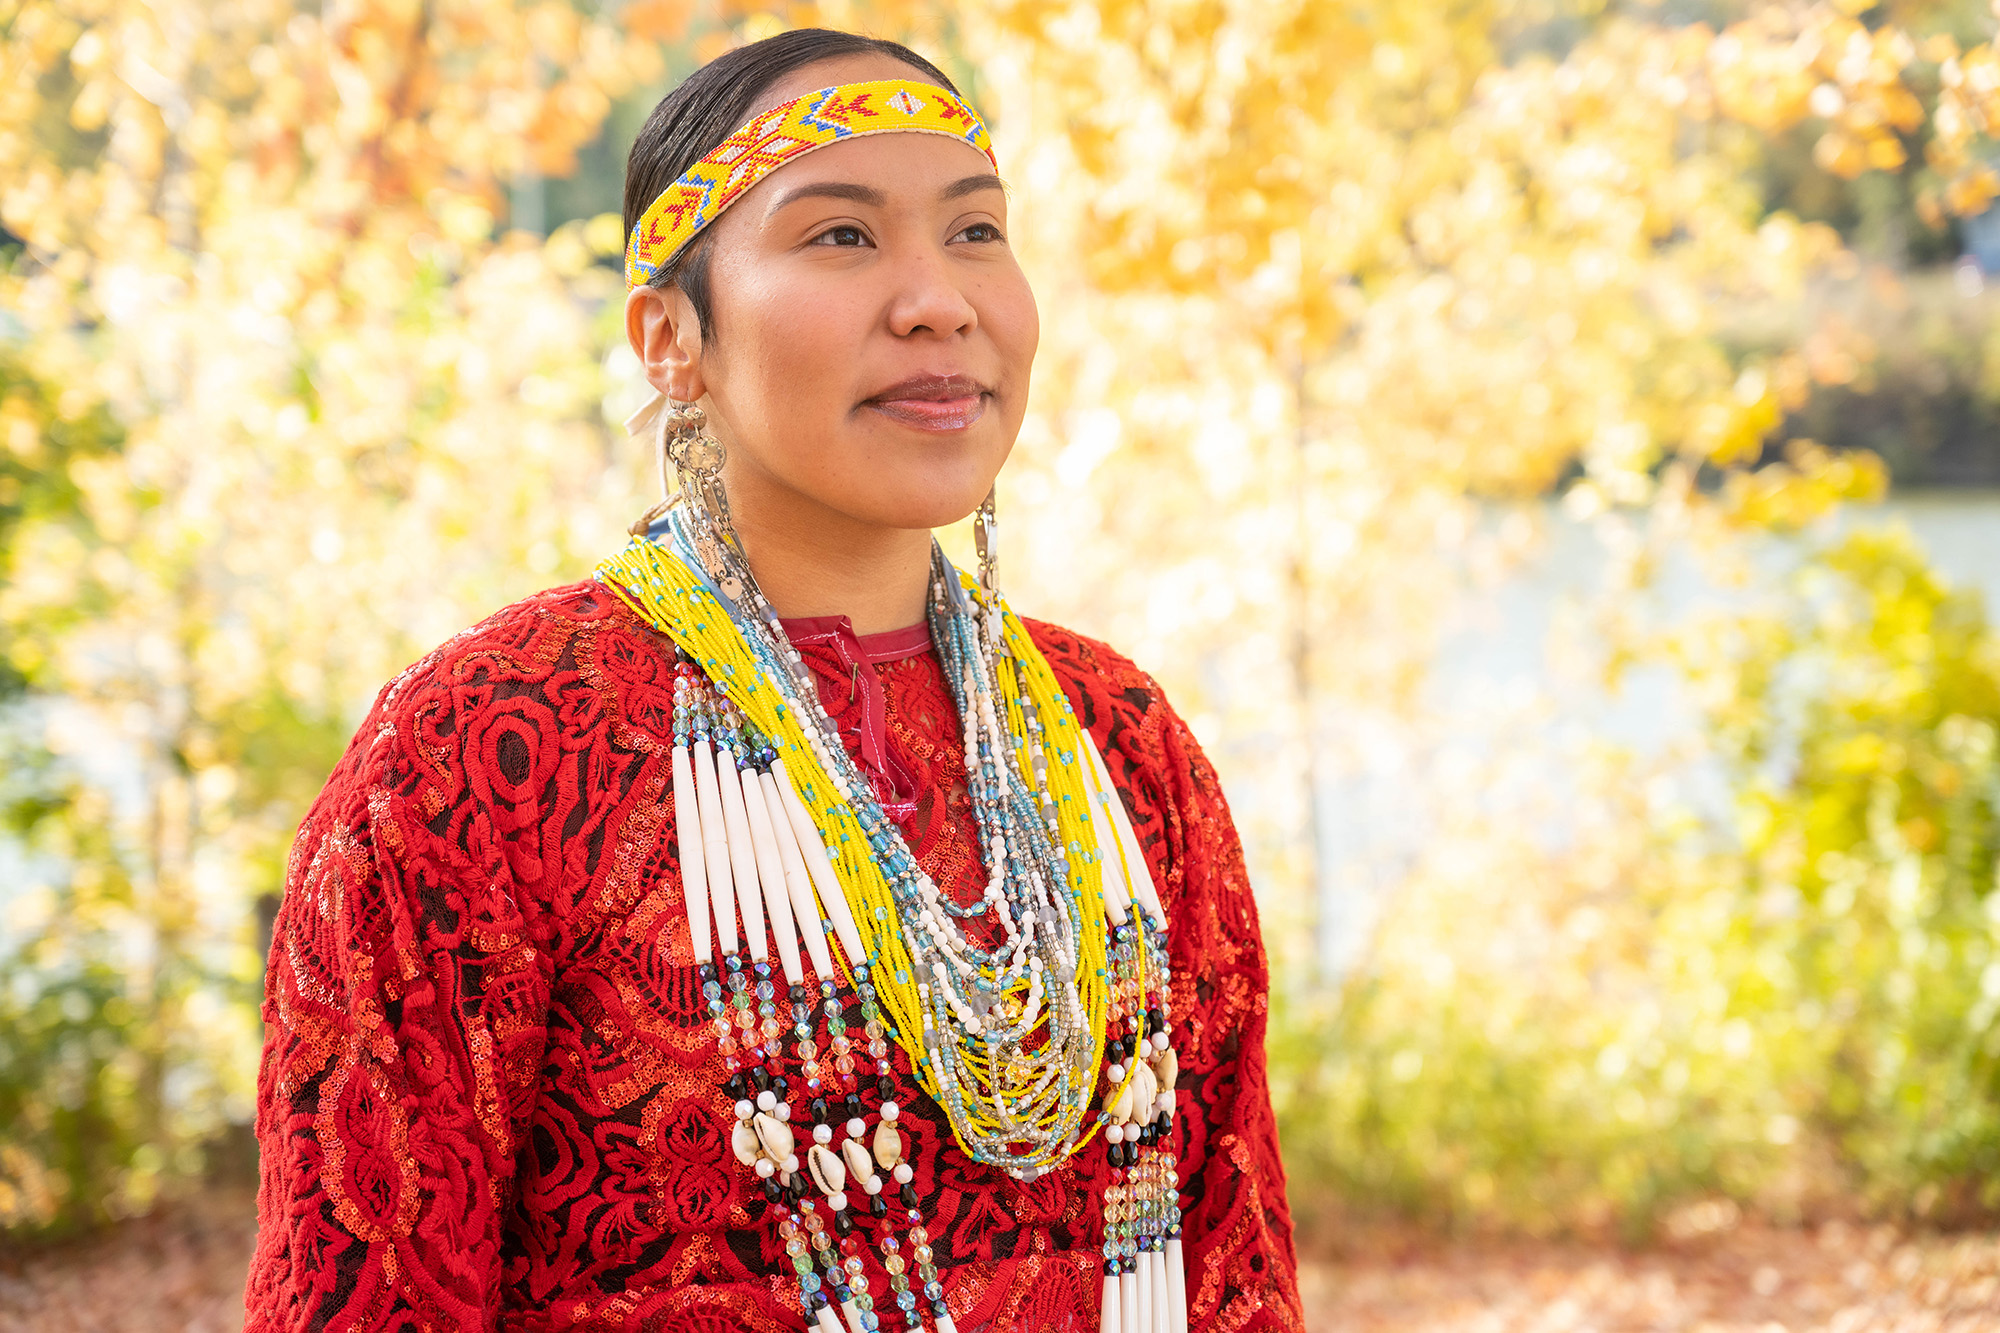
[[1508, 712]]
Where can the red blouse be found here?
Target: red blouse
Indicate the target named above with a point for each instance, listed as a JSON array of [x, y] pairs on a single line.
[[489, 1095]]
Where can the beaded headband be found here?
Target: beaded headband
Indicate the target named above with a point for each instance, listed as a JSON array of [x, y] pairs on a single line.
[[785, 132]]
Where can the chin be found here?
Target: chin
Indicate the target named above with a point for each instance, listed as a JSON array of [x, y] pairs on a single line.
[[916, 511], [909, 494]]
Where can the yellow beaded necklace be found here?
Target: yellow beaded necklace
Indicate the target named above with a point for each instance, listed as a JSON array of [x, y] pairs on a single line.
[[667, 594]]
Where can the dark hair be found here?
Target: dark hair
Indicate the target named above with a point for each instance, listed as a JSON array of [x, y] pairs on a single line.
[[709, 106]]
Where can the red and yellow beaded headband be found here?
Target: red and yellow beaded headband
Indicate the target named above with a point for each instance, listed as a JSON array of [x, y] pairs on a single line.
[[797, 127]]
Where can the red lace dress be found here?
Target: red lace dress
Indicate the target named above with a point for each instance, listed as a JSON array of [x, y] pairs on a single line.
[[490, 1097]]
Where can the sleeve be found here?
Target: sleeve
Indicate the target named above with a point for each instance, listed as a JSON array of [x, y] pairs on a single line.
[[1237, 1227], [404, 1007], [1242, 1269]]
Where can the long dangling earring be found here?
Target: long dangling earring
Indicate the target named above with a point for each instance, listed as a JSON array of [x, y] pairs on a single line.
[[986, 536], [697, 458]]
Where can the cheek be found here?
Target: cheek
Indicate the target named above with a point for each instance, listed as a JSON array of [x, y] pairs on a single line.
[[1016, 324], [790, 350]]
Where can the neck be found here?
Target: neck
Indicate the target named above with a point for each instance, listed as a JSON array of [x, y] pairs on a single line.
[[811, 561]]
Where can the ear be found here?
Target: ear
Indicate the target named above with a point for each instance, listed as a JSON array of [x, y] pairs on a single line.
[[666, 337]]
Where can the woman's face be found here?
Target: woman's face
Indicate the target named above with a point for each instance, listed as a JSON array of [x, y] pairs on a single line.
[[872, 333]]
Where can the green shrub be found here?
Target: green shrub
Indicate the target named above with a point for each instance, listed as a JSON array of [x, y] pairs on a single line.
[[76, 1135], [1792, 1008]]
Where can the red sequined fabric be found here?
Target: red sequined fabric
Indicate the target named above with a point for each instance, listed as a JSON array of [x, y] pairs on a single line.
[[490, 1097]]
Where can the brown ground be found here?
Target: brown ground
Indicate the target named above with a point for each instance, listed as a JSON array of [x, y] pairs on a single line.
[[184, 1271], [177, 1272], [1837, 1279]]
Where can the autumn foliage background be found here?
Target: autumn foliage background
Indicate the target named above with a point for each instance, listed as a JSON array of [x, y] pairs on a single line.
[[310, 356]]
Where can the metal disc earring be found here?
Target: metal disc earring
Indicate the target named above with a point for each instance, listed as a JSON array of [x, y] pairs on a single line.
[[697, 459]]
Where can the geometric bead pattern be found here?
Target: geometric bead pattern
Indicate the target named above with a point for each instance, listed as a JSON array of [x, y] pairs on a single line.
[[777, 136]]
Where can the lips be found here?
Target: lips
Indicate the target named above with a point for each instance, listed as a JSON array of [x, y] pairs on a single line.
[[933, 402]]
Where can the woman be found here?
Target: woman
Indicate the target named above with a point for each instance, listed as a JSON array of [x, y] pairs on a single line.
[[773, 932]]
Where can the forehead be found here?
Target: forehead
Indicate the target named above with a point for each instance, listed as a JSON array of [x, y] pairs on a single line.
[[910, 166], [865, 68]]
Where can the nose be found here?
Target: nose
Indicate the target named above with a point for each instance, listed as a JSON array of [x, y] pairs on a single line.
[[930, 299]]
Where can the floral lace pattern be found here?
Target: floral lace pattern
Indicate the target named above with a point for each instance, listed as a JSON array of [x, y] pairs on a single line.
[[489, 1097]]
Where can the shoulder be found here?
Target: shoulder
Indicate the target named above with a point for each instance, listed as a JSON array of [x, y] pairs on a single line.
[[574, 658], [504, 767], [485, 719], [1151, 754], [523, 640], [1083, 659], [1170, 789], [1117, 702]]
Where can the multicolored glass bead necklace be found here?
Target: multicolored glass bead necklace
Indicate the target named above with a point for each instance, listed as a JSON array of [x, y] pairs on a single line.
[[1029, 1046]]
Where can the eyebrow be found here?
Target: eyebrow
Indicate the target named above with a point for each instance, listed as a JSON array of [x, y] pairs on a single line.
[[972, 185], [874, 198], [860, 194]]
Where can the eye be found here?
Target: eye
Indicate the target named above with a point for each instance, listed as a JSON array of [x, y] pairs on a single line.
[[980, 233], [845, 234]]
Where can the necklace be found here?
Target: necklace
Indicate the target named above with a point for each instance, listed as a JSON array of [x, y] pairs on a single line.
[[778, 826]]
